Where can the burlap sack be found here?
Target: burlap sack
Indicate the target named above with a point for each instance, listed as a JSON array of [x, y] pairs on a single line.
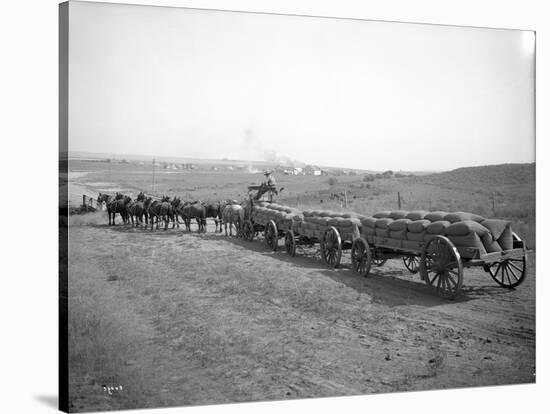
[[496, 227], [383, 223], [436, 215], [463, 228], [506, 240], [416, 215], [462, 216], [418, 226], [381, 214], [471, 240], [399, 224], [368, 231], [490, 244], [399, 234], [437, 227], [368, 222], [382, 232], [416, 236], [336, 221], [398, 214]]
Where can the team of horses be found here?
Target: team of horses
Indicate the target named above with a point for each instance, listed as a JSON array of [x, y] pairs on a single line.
[[144, 211]]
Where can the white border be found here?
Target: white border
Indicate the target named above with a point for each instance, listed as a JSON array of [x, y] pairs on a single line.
[[28, 31]]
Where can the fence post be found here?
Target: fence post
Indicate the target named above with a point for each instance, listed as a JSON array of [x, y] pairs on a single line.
[[84, 202], [398, 200]]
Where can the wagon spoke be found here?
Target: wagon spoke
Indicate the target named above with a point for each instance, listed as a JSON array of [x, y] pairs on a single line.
[[514, 266]]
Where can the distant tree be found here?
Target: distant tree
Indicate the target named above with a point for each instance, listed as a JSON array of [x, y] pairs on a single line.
[[368, 177], [332, 181]]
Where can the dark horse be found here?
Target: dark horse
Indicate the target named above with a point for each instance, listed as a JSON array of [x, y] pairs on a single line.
[[117, 205], [137, 210], [196, 211], [160, 211], [214, 210]]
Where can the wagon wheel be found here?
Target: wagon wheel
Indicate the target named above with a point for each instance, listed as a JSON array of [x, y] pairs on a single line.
[[271, 235], [508, 273], [377, 258], [290, 243], [361, 257], [412, 263], [441, 267], [331, 247], [248, 230]]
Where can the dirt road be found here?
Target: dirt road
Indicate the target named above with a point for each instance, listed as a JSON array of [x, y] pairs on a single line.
[[202, 319]]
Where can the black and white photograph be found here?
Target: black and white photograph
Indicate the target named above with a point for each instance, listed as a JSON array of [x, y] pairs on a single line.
[[267, 207], [277, 205]]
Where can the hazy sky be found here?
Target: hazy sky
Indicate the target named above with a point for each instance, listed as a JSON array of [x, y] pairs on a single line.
[[338, 92]]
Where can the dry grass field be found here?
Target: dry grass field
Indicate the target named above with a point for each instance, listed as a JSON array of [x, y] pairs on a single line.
[[180, 318]]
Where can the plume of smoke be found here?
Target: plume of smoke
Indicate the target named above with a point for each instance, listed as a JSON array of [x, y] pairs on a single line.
[[253, 147]]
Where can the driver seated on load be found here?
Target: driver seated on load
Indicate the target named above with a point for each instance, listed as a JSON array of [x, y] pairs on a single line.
[[270, 180]]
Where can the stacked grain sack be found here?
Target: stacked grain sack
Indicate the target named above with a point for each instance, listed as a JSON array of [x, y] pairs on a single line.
[[413, 229], [283, 216], [316, 222]]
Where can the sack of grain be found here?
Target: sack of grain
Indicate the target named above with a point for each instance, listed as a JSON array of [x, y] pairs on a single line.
[[418, 226], [381, 214], [463, 228], [506, 239], [383, 223], [437, 227], [496, 227], [368, 231], [335, 221], [490, 244], [399, 224], [416, 236], [470, 240], [462, 216], [350, 215], [399, 234], [398, 214], [416, 215], [368, 222], [382, 232], [436, 216]]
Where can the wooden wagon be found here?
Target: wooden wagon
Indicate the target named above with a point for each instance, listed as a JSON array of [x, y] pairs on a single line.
[[333, 233], [440, 262], [256, 224]]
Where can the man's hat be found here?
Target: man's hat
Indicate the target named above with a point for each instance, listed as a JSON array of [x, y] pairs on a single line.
[[267, 172]]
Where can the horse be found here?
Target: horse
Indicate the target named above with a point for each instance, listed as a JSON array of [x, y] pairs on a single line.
[[118, 205], [103, 199], [177, 206], [214, 210], [153, 210], [166, 212], [197, 211], [233, 214], [137, 210]]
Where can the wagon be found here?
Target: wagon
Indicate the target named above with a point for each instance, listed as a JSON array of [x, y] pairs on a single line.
[[253, 226], [332, 239], [441, 263]]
